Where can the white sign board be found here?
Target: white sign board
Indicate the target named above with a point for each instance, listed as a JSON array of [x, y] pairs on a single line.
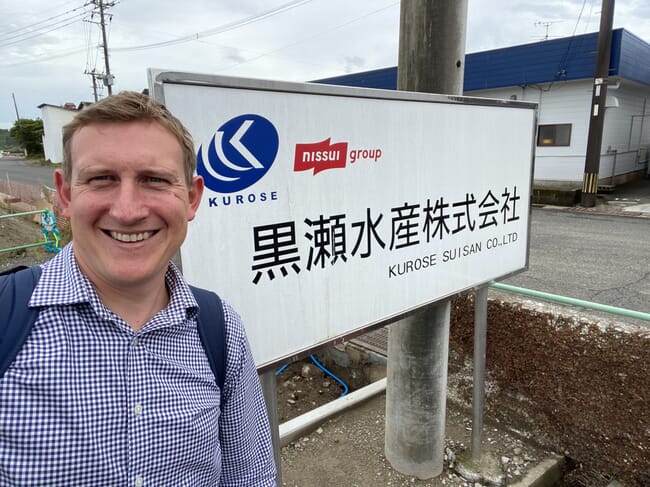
[[328, 210]]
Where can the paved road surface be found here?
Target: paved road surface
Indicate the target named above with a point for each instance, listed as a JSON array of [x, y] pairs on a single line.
[[23, 171], [600, 258]]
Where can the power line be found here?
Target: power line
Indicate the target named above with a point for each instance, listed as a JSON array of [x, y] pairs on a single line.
[[30, 26], [45, 58], [216, 30], [322, 33], [91, 65], [52, 27], [561, 71]]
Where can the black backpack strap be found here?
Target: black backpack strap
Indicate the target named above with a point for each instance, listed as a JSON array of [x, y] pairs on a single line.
[[16, 317], [212, 330]]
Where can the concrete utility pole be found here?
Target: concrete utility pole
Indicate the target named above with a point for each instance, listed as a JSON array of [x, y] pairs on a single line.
[[431, 59], [108, 79], [94, 76], [15, 106], [598, 99]]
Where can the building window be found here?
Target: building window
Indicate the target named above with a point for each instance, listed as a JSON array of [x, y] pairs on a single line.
[[554, 135]]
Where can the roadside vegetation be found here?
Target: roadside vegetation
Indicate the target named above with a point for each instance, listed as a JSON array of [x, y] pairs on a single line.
[[28, 133]]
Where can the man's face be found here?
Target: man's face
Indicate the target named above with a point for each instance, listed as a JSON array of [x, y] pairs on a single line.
[[127, 200]]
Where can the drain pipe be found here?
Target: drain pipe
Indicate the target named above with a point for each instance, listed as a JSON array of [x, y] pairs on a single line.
[[639, 315], [295, 428]]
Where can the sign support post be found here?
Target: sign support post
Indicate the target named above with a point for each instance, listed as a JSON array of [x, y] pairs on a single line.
[[480, 347], [269, 389]]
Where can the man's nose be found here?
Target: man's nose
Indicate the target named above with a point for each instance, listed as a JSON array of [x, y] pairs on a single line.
[[129, 204]]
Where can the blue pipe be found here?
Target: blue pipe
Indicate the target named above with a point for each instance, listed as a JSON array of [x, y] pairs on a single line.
[[320, 366], [281, 369]]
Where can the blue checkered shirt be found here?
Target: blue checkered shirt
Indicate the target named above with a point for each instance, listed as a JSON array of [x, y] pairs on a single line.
[[90, 402]]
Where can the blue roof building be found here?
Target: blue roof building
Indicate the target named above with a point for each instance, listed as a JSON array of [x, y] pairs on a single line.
[[558, 75]]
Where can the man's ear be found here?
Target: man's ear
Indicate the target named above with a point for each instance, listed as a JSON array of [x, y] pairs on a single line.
[[62, 192], [195, 193]]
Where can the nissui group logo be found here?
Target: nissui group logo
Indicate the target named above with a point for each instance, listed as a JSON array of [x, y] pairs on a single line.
[[240, 153]]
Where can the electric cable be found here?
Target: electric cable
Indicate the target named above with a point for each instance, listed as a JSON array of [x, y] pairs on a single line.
[[320, 34], [29, 26], [563, 64], [281, 369], [328, 372], [346, 389], [33, 34], [216, 30]]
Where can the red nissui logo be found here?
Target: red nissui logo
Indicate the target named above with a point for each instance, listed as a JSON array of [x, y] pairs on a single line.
[[320, 156]]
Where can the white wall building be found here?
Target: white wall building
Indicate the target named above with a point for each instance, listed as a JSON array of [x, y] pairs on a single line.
[[563, 127], [54, 118]]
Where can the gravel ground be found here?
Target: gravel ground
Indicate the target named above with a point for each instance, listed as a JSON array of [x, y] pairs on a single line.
[[348, 450]]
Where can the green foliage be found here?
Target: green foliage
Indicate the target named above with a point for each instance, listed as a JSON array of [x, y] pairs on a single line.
[[29, 133], [7, 143]]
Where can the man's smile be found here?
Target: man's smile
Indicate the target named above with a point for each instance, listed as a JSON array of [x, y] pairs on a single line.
[[131, 237]]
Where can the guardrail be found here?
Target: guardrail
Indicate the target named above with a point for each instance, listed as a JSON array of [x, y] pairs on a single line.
[[572, 301], [48, 228]]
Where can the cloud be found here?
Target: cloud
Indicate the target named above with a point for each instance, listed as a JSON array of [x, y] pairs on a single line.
[[353, 64]]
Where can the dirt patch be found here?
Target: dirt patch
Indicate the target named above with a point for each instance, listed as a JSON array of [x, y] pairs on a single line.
[[554, 385], [303, 386], [586, 389], [17, 231]]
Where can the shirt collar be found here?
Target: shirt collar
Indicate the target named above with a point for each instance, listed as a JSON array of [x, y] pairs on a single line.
[[63, 283]]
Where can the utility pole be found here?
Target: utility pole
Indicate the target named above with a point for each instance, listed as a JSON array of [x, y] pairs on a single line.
[[108, 79], [17, 115], [15, 106], [598, 99], [94, 85], [431, 59], [93, 75]]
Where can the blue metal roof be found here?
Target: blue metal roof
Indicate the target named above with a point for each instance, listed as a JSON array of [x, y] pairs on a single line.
[[569, 58]]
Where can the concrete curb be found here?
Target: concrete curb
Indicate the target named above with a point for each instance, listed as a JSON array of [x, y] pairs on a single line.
[[546, 474]]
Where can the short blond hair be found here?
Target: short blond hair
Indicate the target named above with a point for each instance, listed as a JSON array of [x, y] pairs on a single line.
[[129, 106]]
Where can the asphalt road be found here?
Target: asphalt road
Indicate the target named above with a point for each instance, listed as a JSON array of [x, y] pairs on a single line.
[[599, 258], [24, 171]]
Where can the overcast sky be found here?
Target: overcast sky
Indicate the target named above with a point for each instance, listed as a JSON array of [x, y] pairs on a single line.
[[46, 45]]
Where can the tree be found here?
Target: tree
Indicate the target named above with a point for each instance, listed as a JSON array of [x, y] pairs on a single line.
[[29, 133], [6, 142]]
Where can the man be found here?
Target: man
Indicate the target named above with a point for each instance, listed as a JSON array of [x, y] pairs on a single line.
[[113, 386]]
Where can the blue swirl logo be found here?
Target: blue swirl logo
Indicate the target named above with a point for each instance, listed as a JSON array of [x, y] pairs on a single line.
[[240, 153]]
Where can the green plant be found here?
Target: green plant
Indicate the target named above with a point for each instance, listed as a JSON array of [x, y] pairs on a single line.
[[29, 133]]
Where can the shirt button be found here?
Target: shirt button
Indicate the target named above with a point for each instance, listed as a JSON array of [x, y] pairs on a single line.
[[139, 481], [137, 409], [134, 342]]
